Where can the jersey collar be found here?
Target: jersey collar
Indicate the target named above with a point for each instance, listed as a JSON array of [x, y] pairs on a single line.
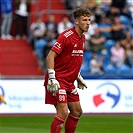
[[73, 29]]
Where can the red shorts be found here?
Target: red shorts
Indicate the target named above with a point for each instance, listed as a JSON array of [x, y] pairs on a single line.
[[64, 95]]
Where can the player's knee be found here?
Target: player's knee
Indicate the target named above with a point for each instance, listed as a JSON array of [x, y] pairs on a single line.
[[63, 113], [77, 113]]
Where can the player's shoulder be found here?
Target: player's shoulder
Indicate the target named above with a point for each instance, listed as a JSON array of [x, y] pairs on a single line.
[[67, 33]]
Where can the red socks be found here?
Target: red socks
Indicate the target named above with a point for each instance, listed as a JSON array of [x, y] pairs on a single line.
[[71, 123], [57, 124]]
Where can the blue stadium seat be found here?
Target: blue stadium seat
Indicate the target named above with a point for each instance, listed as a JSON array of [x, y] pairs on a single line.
[[106, 56], [86, 61], [109, 43], [87, 55], [124, 20], [85, 67], [39, 45], [132, 72], [109, 69], [123, 69], [106, 60], [132, 32]]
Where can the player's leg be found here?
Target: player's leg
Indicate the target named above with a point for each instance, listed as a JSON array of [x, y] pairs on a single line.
[[75, 109], [74, 115], [58, 121], [60, 102]]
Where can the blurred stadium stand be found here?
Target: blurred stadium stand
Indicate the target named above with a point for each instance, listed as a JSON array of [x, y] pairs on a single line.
[[17, 58]]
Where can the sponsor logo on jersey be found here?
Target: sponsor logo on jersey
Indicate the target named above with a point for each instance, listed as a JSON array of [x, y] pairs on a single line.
[[77, 53], [62, 92], [75, 45], [57, 45], [67, 34]]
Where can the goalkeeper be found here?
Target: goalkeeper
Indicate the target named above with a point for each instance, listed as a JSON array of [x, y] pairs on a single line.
[[63, 62]]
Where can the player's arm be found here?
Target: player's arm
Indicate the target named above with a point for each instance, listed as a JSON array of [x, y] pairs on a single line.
[[80, 82], [50, 59], [53, 84]]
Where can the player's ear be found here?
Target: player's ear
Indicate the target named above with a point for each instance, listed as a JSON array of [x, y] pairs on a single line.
[[76, 21]]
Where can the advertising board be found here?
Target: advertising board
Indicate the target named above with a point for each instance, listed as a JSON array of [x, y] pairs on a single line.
[[101, 96]]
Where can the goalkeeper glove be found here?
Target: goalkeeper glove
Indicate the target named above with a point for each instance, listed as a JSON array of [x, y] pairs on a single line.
[[53, 84], [80, 82]]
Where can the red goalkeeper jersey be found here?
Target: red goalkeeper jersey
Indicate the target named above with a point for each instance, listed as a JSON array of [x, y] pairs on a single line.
[[70, 48]]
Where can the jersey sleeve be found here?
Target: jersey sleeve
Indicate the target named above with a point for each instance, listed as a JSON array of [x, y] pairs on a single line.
[[59, 45]]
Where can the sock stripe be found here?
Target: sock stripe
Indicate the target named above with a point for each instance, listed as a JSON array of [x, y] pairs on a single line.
[[59, 118], [73, 117]]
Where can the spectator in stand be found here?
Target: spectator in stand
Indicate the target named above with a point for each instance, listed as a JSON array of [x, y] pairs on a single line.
[[22, 12], [111, 14], [46, 50], [80, 3], [127, 44], [96, 64], [64, 24], [132, 43], [37, 31], [105, 28], [126, 18], [126, 41], [130, 7], [118, 29], [6, 22], [92, 5], [117, 55], [51, 35], [69, 4], [106, 5], [99, 12], [37, 39], [97, 42], [127, 13], [130, 55], [51, 29], [119, 4]]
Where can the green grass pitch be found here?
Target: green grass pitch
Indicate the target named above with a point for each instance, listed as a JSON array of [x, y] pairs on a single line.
[[87, 124]]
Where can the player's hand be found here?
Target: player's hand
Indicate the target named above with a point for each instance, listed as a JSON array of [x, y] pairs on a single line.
[[80, 82], [53, 85]]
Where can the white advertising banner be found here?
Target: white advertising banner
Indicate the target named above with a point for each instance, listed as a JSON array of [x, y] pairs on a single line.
[[101, 96], [24, 96], [107, 96]]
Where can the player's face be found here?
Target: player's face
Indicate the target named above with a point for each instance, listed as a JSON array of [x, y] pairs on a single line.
[[83, 23]]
